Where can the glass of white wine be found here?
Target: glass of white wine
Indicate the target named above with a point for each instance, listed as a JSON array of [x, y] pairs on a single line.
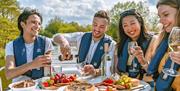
[[132, 45], [174, 43]]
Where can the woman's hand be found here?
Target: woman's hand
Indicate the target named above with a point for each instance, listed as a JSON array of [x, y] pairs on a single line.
[[175, 56], [138, 53]]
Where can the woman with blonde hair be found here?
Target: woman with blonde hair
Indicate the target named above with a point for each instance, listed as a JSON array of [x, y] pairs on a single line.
[[169, 13]]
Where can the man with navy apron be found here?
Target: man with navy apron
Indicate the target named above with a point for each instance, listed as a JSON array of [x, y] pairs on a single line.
[[89, 44], [25, 56]]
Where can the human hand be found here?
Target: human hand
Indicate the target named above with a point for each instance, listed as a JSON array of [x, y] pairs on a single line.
[[89, 69], [48, 52], [66, 52], [138, 53], [175, 56], [41, 61]]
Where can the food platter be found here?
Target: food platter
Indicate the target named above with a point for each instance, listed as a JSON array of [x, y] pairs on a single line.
[[143, 86]]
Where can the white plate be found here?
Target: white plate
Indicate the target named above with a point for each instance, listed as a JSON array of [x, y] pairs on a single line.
[[22, 89], [63, 88]]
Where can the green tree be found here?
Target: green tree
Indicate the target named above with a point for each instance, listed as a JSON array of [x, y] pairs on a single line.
[[9, 9], [57, 25], [8, 31]]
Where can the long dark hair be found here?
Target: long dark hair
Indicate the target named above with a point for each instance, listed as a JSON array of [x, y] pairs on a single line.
[[24, 16], [174, 4], [123, 37]]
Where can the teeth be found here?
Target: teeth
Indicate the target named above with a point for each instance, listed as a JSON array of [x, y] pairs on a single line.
[[165, 25], [96, 32], [131, 32]]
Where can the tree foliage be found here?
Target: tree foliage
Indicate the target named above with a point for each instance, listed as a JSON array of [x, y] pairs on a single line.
[[9, 11], [57, 25]]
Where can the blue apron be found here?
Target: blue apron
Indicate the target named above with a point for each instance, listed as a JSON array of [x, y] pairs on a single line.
[[123, 59], [161, 84], [84, 48], [20, 55]]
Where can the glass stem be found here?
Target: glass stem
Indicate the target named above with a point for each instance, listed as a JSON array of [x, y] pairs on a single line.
[[172, 66]]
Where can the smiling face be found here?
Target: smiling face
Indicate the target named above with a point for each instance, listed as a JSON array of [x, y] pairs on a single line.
[[99, 27], [31, 26], [167, 16], [131, 27]]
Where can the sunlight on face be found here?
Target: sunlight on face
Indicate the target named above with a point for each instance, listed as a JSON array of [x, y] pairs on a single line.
[[99, 27], [167, 15], [131, 27]]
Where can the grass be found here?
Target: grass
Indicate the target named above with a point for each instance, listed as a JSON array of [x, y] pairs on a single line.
[[5, 82]]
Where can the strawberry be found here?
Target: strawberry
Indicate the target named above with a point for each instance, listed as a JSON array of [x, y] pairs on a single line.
[[59, 75], [64, 80], [63, 75], [72, 78]]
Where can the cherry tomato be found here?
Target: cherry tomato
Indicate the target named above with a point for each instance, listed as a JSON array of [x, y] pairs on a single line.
[[45, 84]]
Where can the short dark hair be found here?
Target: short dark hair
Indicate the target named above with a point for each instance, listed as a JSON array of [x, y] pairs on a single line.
[[102, 14], [24, 16]]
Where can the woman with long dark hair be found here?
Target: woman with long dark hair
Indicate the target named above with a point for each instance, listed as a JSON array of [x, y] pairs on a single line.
[[132, 28]]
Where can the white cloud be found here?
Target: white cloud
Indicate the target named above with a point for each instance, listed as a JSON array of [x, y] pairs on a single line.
[[68, 10], [81, 11]]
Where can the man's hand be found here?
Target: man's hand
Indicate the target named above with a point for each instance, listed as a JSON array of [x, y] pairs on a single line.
[[89, 69], [65, 48], [41, 61], [66, 52]]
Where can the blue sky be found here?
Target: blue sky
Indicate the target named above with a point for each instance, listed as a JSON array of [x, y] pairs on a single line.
[[80, 11]]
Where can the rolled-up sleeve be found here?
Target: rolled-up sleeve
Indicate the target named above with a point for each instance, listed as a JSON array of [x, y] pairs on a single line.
[[9, 49], [73, 38]]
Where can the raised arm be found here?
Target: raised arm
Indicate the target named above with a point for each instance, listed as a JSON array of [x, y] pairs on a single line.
[[66, 40], [64, 45]]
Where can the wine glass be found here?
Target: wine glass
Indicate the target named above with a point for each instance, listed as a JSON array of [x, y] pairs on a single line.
[[80, 67], [56, 69], [174, 43], [132, 45]]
